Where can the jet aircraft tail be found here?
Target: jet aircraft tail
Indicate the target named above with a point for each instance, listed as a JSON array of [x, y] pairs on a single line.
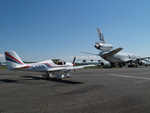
[[12, 60], [101, 36]]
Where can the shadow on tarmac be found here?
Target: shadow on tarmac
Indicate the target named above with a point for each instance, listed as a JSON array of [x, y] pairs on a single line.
[[8, 80], [52, 79]]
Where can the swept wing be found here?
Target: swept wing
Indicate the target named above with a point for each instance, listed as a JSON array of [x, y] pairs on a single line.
[[113, 52]]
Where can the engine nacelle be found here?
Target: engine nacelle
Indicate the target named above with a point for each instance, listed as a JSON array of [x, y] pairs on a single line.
[[140, 62], [103, 47]]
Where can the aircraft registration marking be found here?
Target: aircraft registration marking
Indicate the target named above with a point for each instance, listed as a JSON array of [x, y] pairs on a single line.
[[37, 67]]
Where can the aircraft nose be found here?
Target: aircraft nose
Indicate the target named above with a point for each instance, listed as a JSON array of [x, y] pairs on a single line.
[[69, 64]]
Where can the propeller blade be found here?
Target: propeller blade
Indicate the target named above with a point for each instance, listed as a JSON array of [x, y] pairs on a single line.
[[74, 60]]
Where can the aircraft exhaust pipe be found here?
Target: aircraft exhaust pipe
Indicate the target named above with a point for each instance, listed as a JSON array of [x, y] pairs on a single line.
[[97, 46]]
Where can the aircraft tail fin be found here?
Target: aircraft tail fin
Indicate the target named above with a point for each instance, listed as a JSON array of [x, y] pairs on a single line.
[[12, 60], [101, 36]]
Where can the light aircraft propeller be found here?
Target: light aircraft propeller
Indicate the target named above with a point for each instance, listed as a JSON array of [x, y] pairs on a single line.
[[74, 62]]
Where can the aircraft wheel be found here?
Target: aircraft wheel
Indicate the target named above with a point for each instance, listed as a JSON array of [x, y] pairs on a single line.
[[59, 78]]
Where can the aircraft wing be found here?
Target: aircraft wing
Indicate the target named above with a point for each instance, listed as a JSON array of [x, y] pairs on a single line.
[[147, 61], [79, 67], [113, 52], [144, 58], [57, 69], [129, 60], [69, 68]]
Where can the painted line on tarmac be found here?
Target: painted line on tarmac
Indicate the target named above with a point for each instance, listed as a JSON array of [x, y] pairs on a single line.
[[124, 76]]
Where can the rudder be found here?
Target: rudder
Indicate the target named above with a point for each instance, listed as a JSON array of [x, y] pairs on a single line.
[[12, 60], [101, 36]]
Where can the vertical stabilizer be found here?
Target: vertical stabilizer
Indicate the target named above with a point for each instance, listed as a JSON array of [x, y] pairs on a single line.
[[12, 60], [101, 36]]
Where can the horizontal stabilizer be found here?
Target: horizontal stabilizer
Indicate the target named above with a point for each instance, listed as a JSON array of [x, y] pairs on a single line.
[[90, 53], [113, 52]]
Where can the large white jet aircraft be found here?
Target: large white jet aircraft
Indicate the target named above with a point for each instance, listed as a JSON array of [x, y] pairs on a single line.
[[115, 56], [50, 67]]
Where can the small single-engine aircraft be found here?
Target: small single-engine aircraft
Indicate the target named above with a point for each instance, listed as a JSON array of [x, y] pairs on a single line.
[[50, 67], [115, 56]]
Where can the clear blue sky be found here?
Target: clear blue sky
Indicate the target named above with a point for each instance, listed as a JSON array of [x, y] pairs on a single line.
[[45, 29]]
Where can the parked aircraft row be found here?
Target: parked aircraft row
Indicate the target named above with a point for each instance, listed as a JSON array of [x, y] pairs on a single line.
[[61, 69]]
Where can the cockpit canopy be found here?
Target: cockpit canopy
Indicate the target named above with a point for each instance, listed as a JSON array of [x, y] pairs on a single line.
[[58, 62]]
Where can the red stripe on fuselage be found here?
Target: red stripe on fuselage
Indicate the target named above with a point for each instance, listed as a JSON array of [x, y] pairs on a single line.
[[25, 67]]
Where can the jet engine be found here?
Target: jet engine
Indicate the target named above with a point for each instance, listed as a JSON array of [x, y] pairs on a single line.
[[140, 62], [101, 64], [103, 47]]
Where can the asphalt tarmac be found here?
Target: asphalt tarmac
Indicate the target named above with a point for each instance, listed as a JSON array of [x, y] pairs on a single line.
[[119, 90]]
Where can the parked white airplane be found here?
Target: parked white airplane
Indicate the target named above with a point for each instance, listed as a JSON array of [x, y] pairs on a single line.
[[114, 56], [50, 67], [2, 64]]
